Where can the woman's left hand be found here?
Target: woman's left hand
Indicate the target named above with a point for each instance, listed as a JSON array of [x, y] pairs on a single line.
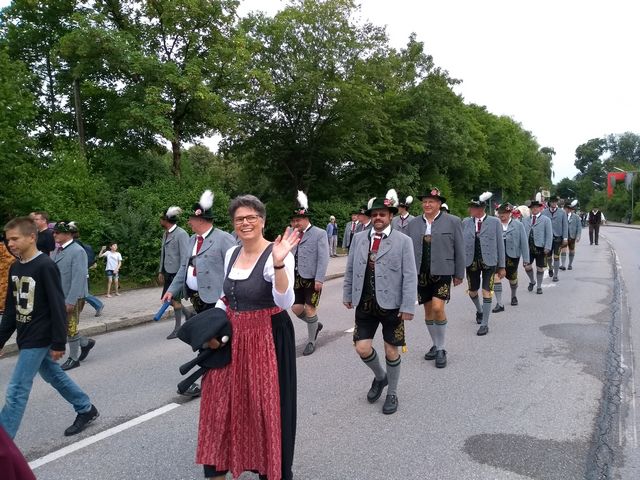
[[284, 244]]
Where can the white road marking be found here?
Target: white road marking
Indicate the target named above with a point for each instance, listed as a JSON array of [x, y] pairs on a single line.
[[85, 442]]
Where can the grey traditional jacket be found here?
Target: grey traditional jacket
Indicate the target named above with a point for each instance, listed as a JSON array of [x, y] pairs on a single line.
[[400, 224], [447, 244], [346, 238], [396, 277], [72, 263], [542, 231], [209, 263], [491, 242], [559, 224], [312, 254], [175, 250], [574, 226], [362, 228], [516, 243]]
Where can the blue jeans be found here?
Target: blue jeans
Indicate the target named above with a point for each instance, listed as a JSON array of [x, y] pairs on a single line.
[[94, 302], [30, 362]]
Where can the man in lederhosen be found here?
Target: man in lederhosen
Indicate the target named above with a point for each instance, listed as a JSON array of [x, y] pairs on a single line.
[[380, 282], [439, 257], [312, 260], [575, 232], [560, 229], [174, 252], [484, 255], [201, 275], [350, 230], [540, 237], [401, 221], [515, 246]]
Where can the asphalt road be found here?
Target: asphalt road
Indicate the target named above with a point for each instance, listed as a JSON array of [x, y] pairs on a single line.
[[523, 402]]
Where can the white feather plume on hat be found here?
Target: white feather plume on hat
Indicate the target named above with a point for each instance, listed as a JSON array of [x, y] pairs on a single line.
[[173, 211], [370, 202], [72, 224], [485, 196], [303, 200], [206, 200], [538, 197], [393, 196], [574, 203], [409, 200]]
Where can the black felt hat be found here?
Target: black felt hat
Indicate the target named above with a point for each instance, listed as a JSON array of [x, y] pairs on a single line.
[[389, 201], [203, 209], [433, 193]]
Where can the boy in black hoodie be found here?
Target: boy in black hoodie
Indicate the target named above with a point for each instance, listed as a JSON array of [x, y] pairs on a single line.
[[35, 308]]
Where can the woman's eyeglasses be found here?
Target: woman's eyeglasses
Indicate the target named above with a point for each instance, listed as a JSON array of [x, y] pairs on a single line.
[[249, 218]]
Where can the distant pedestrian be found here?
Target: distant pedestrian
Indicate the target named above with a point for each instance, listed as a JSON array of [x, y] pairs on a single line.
[[350, 230], [174, 252], [112, 268], [71, 260], [575, 232], [401, 221], [332, 236], [35, 307], [311, 262], [380, 282], [95, 302], [46, 243], [595, 220]]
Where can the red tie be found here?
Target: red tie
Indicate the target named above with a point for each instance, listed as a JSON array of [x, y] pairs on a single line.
[[353, 227], [479, 226], [199, 240], [533, 222], [376, 242]]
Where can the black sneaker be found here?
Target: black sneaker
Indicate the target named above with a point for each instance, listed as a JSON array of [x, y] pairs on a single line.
[[555, 279], [173, 334], [550, 273], [514, 301], [478, 318], [483, 330], [82, 421], [84, 351], [539, 291], [569, 267], [390, 405], [441, 358], [561, 267], [431, 354], [69, 364], [530, 287], [498, 308], [193, 391], [309, 349], [376, 389]]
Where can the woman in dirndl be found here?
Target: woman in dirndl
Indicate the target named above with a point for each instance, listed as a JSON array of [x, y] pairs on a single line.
[[248, 408]]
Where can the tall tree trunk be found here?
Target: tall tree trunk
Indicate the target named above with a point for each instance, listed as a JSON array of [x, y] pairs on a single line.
[[177, 155], [79, 117]]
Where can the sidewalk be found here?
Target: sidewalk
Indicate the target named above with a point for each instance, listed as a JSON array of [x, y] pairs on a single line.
[[134, 307], [618, 224]]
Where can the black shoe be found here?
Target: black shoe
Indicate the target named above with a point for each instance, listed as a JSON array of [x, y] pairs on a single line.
[[498, 308], [99, 311], [70, 363], [390, 405], [483, 330], [441, 358], [376, 389], [596, 243], [514, 301], [478, 318], [318, 330], [173, 335], [591, 243], [562, 268], [539, 291], [309, 349], [555, 279], [530, 287], [82, 421], [193, 391], [550, 273], [84, 351], [569, 267], [431, 354]]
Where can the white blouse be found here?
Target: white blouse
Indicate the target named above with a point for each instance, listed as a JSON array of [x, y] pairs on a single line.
[[283, 300]]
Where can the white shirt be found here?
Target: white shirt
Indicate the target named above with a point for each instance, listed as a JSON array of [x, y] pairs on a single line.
[[477, 220], [385, 233], [192, 281], [66, 244], [427, 230], [113, 259], [172, 228], [283, 300]]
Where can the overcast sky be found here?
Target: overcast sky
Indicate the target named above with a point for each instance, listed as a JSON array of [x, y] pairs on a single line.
[[567, 70]]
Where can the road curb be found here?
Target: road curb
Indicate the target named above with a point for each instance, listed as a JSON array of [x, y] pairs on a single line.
[[622, 225]]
